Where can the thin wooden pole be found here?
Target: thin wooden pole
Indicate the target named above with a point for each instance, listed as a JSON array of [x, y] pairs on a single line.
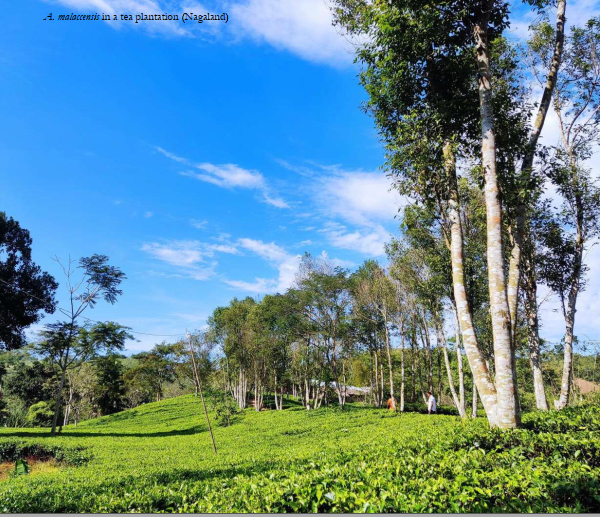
[[201, 394]]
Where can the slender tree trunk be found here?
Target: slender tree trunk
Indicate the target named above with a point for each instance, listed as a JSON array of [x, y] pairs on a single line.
[[413, 368], [481, 374], [382, 385], [306, 394], [531, 313], [440, 383], [402, 370], [442, 342], [69, 403], [197, 377], [527, 163], [389, 357], [459, 359], [429, 360], [59, 396], [376, 367], [474, 402], [507, 410], [567, 376]]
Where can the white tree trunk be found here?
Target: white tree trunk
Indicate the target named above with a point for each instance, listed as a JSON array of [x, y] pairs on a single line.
[[442, 342], [402, 383], [507, 407], [527, 163], [481, 376]]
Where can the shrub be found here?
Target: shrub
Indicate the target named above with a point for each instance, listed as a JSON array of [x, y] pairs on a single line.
[[40, 414]]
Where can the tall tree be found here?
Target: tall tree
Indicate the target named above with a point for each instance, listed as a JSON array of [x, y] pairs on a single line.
[[577, 221], [26, 292], [375, 290], [68, 344], [420, 76]]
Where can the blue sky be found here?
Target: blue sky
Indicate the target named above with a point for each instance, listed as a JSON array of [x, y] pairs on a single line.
[[202, 158]]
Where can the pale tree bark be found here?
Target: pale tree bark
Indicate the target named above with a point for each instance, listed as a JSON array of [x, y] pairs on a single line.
[[389, 353], [442, 341], [376, 391], [569, 314], [507, 413], [481, 376], [459, 359], [382, 384], [402, 383], [514, 271], [533, 337], [413, 368], [474, 402]]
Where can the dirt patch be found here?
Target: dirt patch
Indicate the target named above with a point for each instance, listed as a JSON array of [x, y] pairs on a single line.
[[37, 465]]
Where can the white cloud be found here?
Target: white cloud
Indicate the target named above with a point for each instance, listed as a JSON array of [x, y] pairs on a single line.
[[269, 251], [368, 241], [199, 224], [177, 253], [286, 264], [188, 259], [301, 27], [172, 156], [359, 197], [336, 262], [229, 176], [225, 248], [148, 215], [275, 201], [356, 206]]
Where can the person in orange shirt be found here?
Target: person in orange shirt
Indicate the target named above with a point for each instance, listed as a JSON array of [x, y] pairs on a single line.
[[391, 404]]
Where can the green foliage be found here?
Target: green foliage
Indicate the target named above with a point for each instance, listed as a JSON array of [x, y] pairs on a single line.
[[21, 468], [31, 382], [40, 414], [109, 389], [225, 408], [25, 290], [13, 450], [158, 458]]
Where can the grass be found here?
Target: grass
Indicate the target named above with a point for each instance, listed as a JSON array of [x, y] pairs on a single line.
[[159, 458]]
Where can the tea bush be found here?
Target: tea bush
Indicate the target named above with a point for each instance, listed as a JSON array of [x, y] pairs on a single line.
[[158, 458]]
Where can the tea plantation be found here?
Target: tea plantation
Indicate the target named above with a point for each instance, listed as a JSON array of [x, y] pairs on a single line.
[[158, 458]]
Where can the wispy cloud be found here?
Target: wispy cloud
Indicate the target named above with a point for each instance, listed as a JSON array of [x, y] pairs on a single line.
[[286, 264], [192, 259], [229, 176], [360, 197], [369, 241], [353, 206], [303, 28], [199, 224]]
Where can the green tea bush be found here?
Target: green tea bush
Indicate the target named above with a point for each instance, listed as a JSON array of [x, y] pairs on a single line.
[[158, 458], [12, 450]]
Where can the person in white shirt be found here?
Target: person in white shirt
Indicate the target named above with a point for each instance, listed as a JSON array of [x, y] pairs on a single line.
[[431, 405]]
